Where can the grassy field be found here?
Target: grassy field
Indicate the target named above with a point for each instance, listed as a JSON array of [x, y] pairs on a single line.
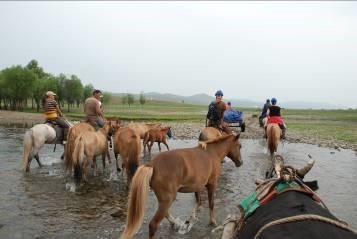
[[340, 125]]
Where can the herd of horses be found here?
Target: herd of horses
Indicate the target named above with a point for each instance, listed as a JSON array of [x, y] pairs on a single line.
[[189, 170]]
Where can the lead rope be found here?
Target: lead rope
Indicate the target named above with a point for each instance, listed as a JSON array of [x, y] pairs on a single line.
[[302, 218]]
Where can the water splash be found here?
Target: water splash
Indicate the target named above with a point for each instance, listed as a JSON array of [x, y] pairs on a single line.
[[71, 187]]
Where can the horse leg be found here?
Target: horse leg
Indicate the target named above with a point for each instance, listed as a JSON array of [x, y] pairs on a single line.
[[150, 145], [108, 155], [38, 160], [164, 142], [210, 189], [28, 163], [94, 166], [103, 159], [158, 143], [161, 212], [116, 153]]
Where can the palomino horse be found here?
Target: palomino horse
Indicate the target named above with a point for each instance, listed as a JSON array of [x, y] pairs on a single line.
[[210, 133], [142, 128], [181, 170], [273, 137], [87, 146], [127, 143], [73, 133], [34, 139]]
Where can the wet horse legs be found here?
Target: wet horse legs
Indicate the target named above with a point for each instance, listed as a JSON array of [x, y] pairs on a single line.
[[162, 211], [210, 189]]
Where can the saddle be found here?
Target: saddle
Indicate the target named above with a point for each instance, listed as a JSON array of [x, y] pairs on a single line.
[[61, 133]]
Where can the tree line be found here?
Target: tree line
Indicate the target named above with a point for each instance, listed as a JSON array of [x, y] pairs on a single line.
[[25, 86]]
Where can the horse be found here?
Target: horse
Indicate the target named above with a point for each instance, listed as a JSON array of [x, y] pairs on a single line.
[[210, 133], [156, 135], [273, 137], [87, 146], [73, 133], [184, 170], [142, 128], [285, 207], [127, 143], [35, 138]]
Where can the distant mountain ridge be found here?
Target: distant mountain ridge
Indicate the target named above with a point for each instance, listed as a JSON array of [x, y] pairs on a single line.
[[204, 99]]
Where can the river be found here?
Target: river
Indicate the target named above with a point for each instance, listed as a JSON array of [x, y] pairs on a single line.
[[43, 204]]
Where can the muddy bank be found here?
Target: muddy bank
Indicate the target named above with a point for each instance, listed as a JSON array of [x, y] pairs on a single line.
[[187, 130]]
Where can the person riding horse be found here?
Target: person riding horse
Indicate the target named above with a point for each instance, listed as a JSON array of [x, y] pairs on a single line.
[[53, 113], [264, 112], [93, 110], [216, 112], [274, 116]]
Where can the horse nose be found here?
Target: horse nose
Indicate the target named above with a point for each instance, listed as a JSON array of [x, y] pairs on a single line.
[[239, 163]]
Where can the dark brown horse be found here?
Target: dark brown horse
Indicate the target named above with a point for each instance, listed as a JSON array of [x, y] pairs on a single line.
[[273, 137], [181, 170], [127, 143]]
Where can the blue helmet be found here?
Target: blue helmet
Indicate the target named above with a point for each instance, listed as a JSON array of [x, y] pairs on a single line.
[[219, 92], [273, 101]]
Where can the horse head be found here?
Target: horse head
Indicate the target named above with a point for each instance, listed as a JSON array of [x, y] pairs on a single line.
[[169, 132], [234, 151]]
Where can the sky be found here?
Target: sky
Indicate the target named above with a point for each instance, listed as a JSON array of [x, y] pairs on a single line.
[[293, 51]]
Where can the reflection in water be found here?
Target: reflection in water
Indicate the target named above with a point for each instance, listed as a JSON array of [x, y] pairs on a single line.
[[46, 203]]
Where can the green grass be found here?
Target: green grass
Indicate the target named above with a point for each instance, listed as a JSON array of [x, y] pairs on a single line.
[[340, 125]]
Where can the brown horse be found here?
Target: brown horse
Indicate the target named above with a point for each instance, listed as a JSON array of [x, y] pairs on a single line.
[[127, 143], [142, 128], [156, 135], [210, 133], [73, 133], [273, 137], [181, 170], [87, 146]]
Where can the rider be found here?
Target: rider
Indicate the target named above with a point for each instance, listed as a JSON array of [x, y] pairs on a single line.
[[53, 113], [93, 110], [274, 116], [221, 107], [264, 112]]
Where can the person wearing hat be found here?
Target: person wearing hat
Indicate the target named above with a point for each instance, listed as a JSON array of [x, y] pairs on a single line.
[[216, 111], [93, 110], [53, 113]]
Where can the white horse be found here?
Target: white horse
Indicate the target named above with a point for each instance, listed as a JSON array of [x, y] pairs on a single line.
[[34, 139]]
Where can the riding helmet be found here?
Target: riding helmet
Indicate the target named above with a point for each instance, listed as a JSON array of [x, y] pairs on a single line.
[[219, 93], [273, 101]]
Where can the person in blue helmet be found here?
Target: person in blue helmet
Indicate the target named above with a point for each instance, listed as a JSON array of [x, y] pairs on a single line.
[[274, 116], [216, 111]]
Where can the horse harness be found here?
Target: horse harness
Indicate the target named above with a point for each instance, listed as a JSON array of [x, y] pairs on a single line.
[[271, 188]]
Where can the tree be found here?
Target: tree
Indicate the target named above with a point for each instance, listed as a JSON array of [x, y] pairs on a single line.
[[130, 99], [142, 99], [87, 91], [74, 91]]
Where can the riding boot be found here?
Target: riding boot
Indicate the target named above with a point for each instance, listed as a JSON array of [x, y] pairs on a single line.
[[265, 132], [283, 133], [65, 133]]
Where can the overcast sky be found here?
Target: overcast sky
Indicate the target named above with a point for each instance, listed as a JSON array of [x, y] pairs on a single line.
[[294, 51]]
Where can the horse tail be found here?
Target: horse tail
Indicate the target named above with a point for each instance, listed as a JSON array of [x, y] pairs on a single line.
[[68, 162], [273, 139], [77, 158], [134, 156], [28, 146], [138, 195]]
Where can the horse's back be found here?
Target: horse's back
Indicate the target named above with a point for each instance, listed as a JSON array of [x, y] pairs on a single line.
[[208, 133], [288, 204], [43, 133]]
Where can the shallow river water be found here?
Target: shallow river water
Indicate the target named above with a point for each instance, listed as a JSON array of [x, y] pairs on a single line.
[[44, 204]]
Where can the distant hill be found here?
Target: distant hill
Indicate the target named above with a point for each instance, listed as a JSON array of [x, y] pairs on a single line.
[[204, 99]]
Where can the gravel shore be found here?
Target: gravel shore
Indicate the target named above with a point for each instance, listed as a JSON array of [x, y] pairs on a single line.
[[185, 130]]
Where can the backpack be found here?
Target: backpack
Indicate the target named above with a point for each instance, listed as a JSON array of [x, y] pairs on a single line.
[[212, 113]]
